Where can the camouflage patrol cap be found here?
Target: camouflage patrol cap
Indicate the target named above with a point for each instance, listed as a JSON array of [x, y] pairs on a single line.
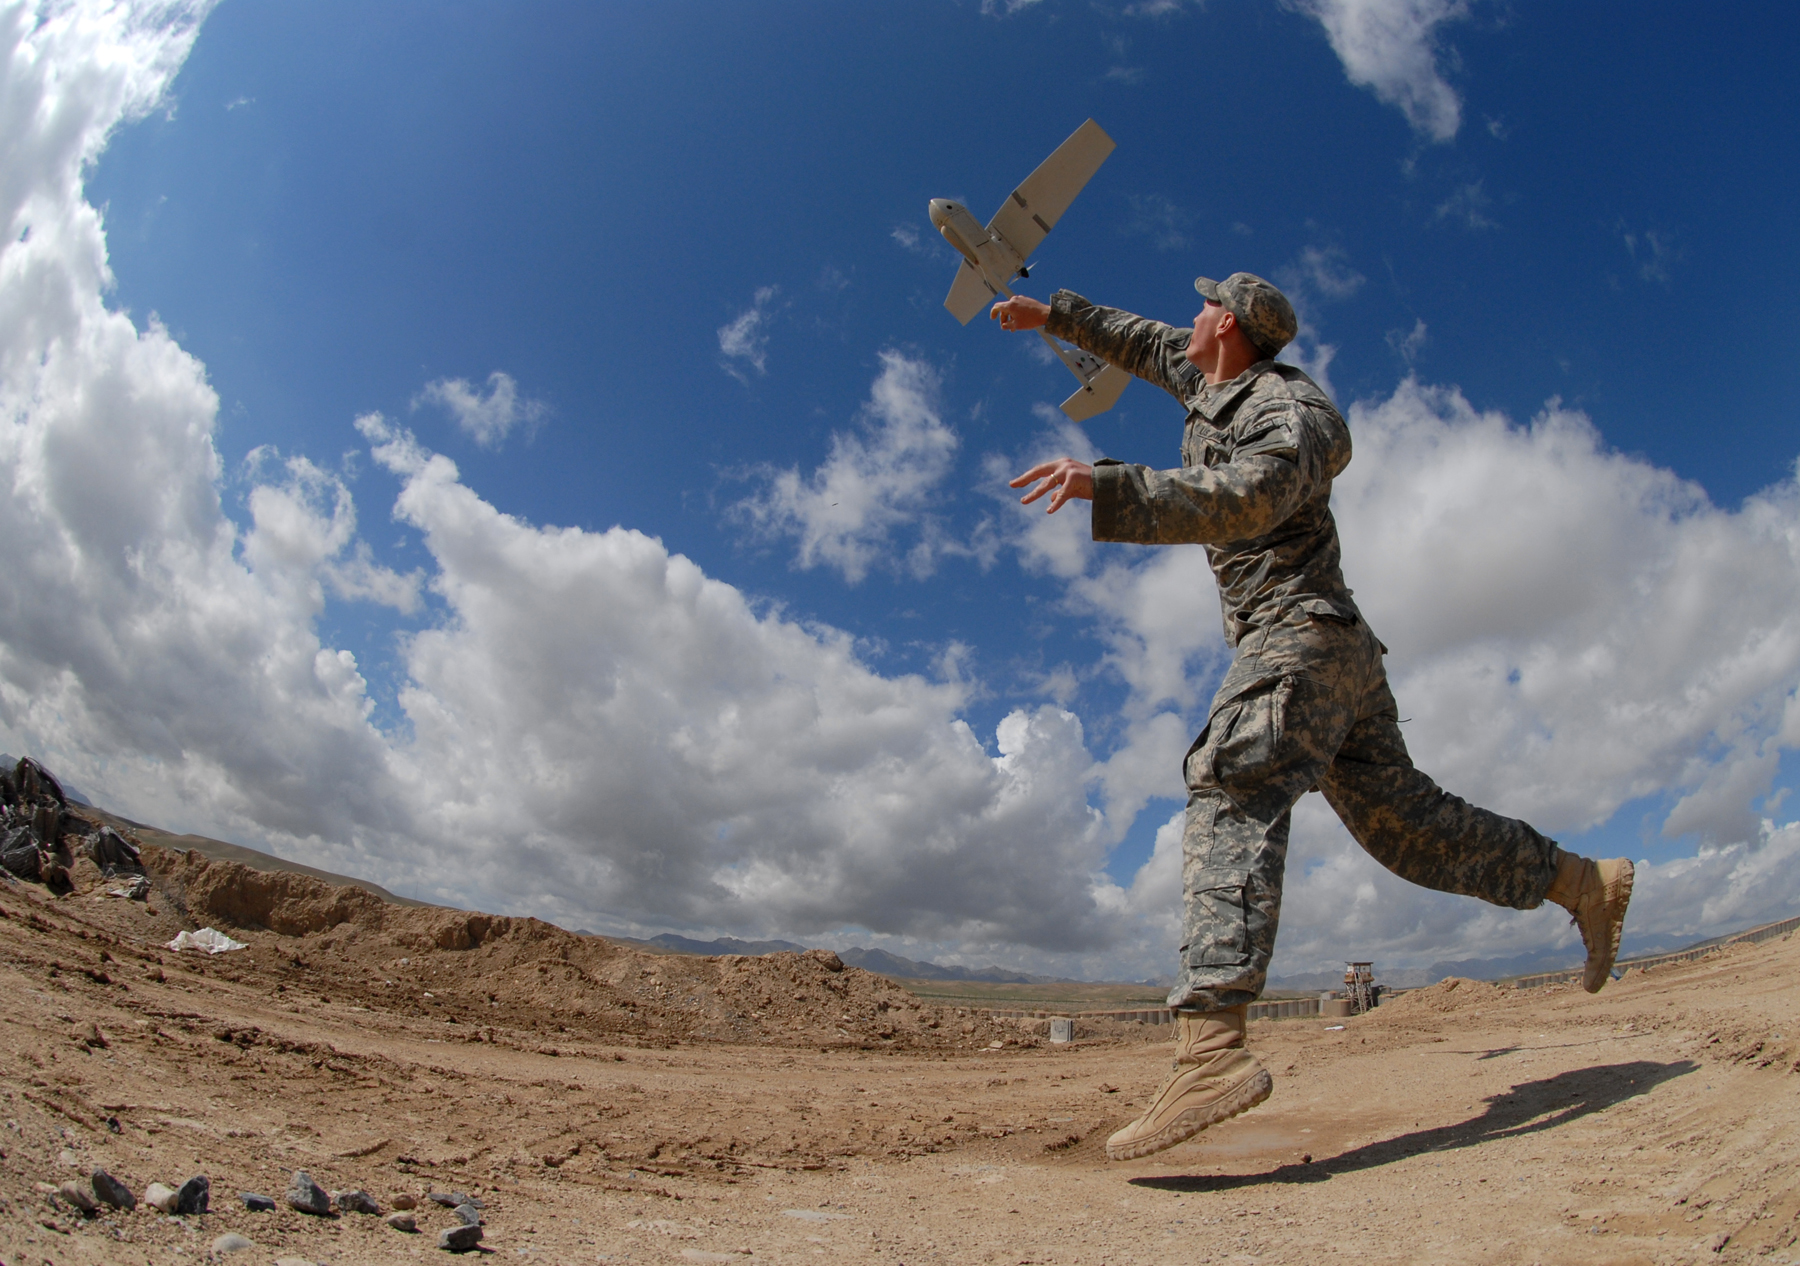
[[1263, 313]]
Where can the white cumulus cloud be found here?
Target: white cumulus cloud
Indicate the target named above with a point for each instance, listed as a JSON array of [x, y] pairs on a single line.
[[878, 481], [486, 417], [303, 529], [136, 650], [648, 741], [1571, 627], [1321, 274], [744, 340], [1391, 48]]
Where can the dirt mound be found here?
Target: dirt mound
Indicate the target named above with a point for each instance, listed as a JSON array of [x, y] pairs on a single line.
[[258, 900], [518, 980], [1453, 993]]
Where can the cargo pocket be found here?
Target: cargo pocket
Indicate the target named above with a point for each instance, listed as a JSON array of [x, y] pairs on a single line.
[[1241, 754], [1197, 768], [1319, 609], [1218, 917]]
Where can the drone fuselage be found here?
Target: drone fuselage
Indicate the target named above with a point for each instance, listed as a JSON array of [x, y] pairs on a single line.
[[985, 248]]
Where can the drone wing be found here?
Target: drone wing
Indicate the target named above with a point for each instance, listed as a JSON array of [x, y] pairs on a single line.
[[1038, 203], [969, 293]]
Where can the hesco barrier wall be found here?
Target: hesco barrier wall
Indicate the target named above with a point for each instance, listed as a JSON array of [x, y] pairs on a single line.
[[1292, 1008], [1767, 932], [1272, 1009]]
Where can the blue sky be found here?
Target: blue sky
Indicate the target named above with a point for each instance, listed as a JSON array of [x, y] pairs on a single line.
[[1545, 248]]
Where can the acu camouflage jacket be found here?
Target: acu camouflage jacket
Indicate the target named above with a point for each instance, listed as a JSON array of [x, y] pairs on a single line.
[[1257, 461]]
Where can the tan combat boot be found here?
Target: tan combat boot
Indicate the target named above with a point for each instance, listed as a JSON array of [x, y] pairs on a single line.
[[1596, 894], [1215, 1078]]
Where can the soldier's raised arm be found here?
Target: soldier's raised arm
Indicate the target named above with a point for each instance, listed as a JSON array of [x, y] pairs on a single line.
[[1151, 350]]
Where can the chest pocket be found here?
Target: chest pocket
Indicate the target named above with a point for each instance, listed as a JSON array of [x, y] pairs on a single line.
[[1205, 445], [1276, 439]]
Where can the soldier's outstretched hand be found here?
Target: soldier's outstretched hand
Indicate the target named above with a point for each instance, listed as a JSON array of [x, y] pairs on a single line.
[[1019, 313], [1067, 476]]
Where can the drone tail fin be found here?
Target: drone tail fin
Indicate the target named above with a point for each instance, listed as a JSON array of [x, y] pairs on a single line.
[[1097, 394]]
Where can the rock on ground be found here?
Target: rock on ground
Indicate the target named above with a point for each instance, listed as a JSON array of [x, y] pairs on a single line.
[[459, 1239], [195, 1195], [76, 1194], [355, 1202], [306, 1196], [113, 1192]]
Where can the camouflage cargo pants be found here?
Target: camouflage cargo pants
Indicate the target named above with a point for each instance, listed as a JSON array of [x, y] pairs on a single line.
[[1306, 704]]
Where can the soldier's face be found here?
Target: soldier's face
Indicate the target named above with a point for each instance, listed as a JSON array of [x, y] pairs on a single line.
[[1203, 345]]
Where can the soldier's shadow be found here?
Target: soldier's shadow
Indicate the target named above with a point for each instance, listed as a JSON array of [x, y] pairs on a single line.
[[1528, 1108]]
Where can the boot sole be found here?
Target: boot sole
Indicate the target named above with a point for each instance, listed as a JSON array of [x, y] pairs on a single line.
[[1189, 1123], [1618, 931]]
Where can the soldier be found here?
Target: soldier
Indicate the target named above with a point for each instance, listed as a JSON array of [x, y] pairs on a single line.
[[1305, 702]]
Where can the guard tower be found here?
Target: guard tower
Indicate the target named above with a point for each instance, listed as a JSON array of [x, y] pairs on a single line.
[[1360, 987]]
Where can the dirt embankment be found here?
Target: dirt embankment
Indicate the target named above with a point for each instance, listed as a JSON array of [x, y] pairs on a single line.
[[519, 980]]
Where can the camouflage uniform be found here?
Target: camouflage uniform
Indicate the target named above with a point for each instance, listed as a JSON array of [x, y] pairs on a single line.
[[1305, 703]]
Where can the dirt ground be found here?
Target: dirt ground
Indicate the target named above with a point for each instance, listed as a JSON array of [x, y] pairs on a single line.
[[613, 1106]]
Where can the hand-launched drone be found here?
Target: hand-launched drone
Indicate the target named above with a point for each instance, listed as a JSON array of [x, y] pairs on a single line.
[[993, 256]]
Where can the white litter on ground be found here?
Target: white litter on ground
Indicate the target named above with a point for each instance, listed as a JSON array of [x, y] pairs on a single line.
[[211, 940]]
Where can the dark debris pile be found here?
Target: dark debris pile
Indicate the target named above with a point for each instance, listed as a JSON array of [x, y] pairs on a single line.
[[40, 837]]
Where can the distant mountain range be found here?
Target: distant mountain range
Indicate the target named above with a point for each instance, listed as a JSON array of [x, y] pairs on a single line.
[[880, 962], [883, 963], [724, 945]]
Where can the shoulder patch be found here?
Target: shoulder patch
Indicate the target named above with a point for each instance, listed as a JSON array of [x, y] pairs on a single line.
[[1274, 434]]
